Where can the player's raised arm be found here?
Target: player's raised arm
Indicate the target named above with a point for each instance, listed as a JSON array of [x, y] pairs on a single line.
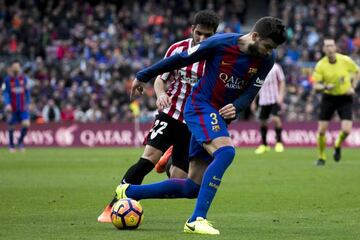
[[196, 53], [256, 82]]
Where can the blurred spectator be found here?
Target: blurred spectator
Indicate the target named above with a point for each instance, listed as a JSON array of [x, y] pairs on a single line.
[[68, 113], [51, 112]]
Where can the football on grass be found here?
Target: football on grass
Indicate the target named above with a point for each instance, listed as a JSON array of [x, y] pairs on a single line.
[[127, 213]]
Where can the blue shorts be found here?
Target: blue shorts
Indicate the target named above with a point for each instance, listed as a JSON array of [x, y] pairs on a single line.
[[18, 117], [205, 124]]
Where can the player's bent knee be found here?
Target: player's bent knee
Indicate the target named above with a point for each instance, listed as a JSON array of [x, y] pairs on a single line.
[[152, 154], [227, 154]]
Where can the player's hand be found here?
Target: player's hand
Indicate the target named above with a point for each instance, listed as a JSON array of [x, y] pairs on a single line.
[[8, 108], [253, 106], [351, 91], [228, 111], [136, 87], [280, 100], [163, 101], [329, 86]]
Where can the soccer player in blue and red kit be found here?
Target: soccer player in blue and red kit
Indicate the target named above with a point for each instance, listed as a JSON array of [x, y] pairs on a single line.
[[16, 95], [236, 66]]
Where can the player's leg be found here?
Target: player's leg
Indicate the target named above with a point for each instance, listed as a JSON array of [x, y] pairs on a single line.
[[11, 120], [11, 138], [327, 110], [210, 131], [263, 117], [346, 126], [137, 172], [25, 124], [321, 142], [275, 112], [180, 156], [345, 113], [170, 188], [223, 153], [161, 165], [174, 187]]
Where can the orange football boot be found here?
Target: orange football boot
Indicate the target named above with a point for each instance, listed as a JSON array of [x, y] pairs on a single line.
[[161, 164], [105, 216]]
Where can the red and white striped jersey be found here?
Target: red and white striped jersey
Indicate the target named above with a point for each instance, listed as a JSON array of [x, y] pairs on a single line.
[[269, 91], [182, 80]]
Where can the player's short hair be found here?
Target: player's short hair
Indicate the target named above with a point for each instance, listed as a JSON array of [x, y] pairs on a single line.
[[14, 61], [207, 18], [271, 27], [328, 37]]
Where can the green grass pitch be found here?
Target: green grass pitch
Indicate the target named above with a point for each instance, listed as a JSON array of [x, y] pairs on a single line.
[[58, 194]]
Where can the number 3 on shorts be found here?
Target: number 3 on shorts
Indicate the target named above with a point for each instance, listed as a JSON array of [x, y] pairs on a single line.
[[155, 130], [214, 118]]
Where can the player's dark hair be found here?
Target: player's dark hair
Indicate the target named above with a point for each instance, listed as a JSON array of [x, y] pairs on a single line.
[[207, 18], [271, 27], [15, 61], [329, 37]]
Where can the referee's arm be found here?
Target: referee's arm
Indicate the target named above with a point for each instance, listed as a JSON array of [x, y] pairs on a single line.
[[319, 85], [355, 80]]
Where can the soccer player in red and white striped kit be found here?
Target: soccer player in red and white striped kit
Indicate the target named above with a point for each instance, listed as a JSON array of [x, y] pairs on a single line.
[[169, 128], [271, 98]]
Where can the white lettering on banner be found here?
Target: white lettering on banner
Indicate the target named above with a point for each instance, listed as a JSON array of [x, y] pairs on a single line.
[[106, 137], [38, 137], [64, 136], [139, 137], [244, 136], [87, 137], [298, 137], [4, 140]]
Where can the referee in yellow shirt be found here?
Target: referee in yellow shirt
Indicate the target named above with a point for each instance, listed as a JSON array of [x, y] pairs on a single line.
[[336, 77]]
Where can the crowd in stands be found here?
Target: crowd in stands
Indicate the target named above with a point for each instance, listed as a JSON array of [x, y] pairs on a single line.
[[308, 21], [81, 56]]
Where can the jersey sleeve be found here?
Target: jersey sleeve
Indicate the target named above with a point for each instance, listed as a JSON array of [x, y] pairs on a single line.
[[6, 92], [172, 50], [253, 88], [353, 67], [317, 74], [198, 52]]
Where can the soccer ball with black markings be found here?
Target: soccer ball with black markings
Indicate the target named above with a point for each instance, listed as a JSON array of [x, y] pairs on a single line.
[[127, 213]]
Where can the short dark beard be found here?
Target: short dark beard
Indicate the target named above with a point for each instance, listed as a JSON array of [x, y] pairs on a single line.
[[332, 60], [253, 50]]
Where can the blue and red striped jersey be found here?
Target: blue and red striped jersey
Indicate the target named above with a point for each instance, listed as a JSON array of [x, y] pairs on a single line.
[[16, 93], [231, 76]]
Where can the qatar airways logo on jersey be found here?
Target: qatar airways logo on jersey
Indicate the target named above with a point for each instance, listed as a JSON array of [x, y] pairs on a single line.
[[232, 82], [17, 89]]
